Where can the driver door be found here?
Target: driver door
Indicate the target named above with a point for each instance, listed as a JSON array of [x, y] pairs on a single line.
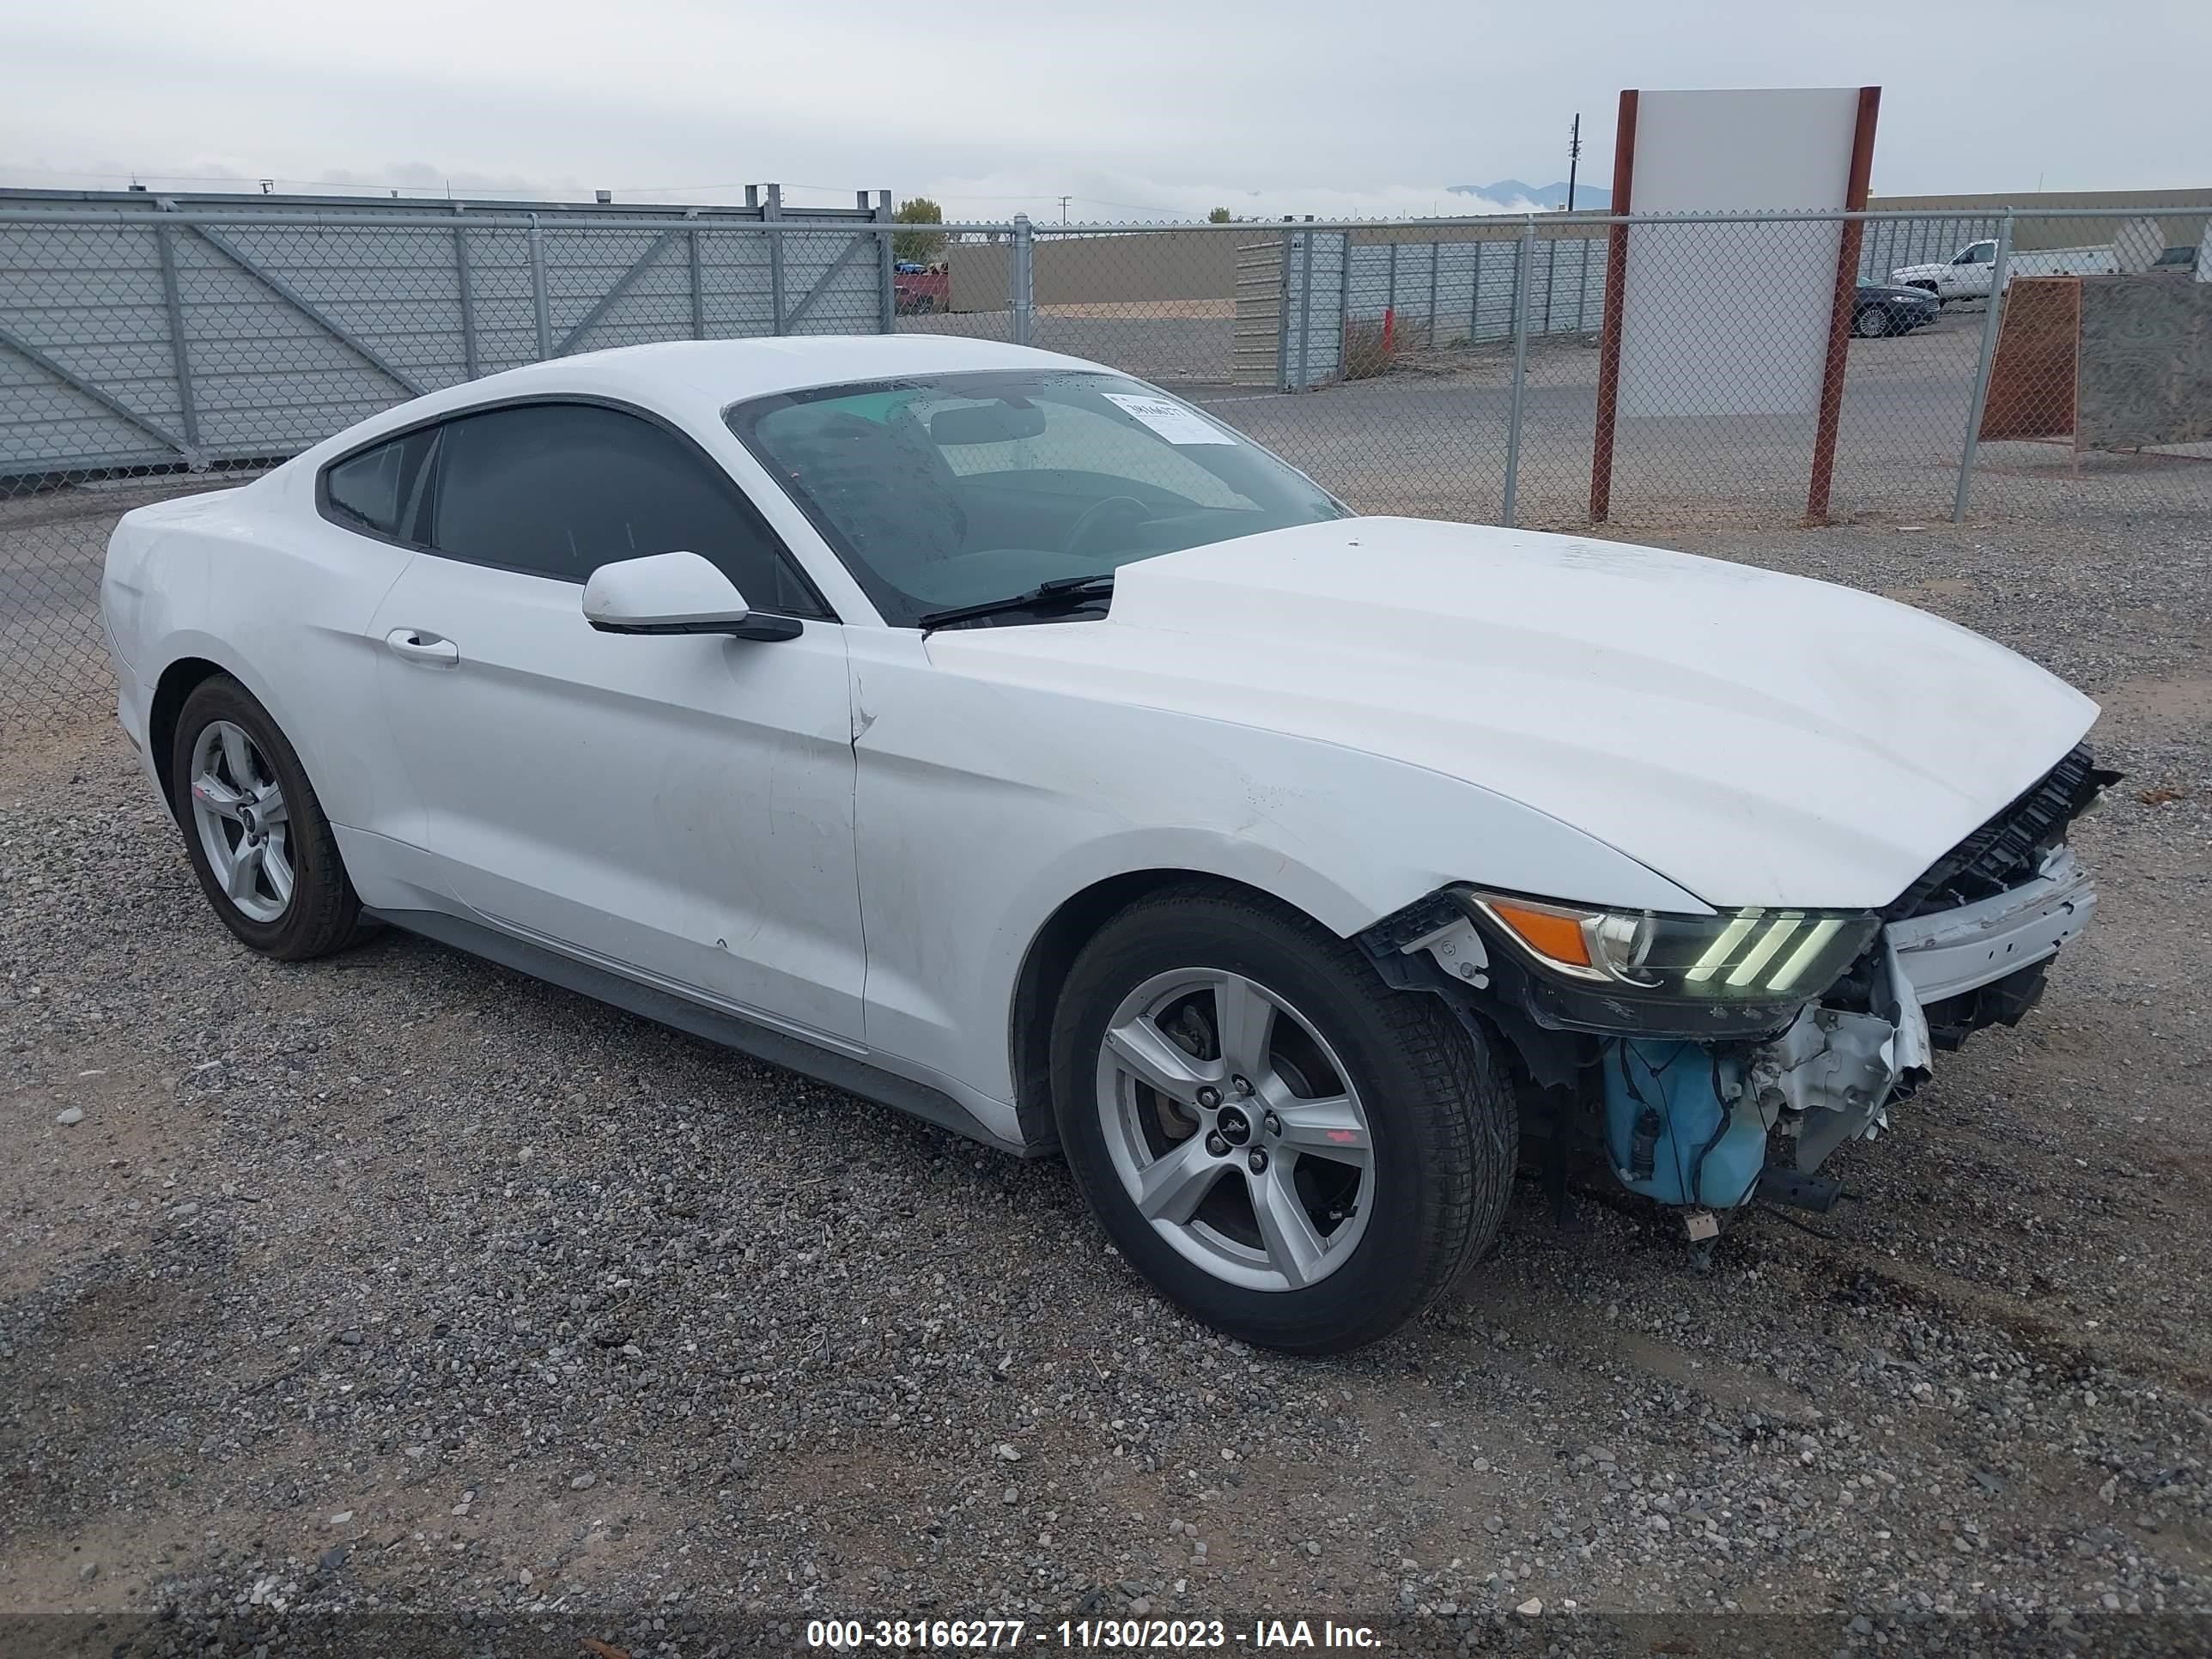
[[679, 807]]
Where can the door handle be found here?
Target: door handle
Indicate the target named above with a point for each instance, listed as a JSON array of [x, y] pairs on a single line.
[[416, 646]]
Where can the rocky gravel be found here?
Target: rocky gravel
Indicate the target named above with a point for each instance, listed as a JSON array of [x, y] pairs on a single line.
[[396, 1303]]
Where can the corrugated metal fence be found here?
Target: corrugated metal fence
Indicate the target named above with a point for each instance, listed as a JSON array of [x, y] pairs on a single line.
[[140, 332], [1453, 292], [1462, 291]]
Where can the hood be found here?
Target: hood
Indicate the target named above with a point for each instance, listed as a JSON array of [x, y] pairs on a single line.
[[1906, 273], [1756, 738]]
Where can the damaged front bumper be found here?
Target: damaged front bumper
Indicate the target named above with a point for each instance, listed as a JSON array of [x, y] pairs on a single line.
[[1702, 1124]]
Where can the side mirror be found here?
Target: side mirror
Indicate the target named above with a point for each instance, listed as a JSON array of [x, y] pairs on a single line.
[[674, 593]]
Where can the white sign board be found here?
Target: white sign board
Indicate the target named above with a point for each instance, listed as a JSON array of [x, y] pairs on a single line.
[[1733, 318]]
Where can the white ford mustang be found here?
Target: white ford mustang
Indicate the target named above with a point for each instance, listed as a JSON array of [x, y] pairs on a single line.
[[997, 737]]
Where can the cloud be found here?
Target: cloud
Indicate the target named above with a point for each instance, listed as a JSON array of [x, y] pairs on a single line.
[[1145, 109]]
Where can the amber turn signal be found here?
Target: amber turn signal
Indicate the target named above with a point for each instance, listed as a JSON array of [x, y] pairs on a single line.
[[1547, 932]]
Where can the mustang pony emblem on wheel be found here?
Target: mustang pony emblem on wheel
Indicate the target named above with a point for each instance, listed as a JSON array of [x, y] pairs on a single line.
[[1000, 738]]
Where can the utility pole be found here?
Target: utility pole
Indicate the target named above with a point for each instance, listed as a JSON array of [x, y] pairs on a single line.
[[1063, 200], [1574, 157]]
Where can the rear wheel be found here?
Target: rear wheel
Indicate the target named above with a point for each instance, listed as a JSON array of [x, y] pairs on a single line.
[[265, 854], [1291, 1151]]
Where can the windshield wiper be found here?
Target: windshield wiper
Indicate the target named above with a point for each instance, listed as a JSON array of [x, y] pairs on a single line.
[[1060, 590]]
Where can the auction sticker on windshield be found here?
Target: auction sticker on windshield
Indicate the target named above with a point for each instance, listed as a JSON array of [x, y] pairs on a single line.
[[1171, 421]]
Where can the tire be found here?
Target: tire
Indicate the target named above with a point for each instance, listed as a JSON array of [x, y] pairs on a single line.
[[295, 902], [1871, 322], [1385, 1231]]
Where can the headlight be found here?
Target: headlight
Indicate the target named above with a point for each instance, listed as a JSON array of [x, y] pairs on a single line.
[[1751, 956]]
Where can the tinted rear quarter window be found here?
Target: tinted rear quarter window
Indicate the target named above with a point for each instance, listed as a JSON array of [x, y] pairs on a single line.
[[365, 489]]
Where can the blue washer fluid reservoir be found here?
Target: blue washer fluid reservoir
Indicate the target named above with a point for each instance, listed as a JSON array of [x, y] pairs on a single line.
[[1679, 1125]]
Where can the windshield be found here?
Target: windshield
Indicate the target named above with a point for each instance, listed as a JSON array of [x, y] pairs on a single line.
[[956, 489]]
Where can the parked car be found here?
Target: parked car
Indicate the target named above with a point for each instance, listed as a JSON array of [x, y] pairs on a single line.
[[1966, 274], [997, 737], [1878, 310], [917, 289]]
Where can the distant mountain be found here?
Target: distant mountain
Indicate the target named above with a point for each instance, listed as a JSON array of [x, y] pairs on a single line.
[[1587, 195]]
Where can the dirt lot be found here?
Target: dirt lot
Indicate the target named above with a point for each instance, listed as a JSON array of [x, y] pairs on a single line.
[[396, 1284]]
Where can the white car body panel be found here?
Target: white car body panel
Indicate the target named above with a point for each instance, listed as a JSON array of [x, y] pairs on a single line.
[[1757, 738], [683, 803], [985, 804], [857, 835], [281, 600]]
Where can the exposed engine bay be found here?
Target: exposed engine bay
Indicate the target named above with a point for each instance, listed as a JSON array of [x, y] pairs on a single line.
[[1707, 1123]]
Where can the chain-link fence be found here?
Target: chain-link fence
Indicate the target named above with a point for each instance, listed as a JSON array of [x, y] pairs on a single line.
[[1652, 374]]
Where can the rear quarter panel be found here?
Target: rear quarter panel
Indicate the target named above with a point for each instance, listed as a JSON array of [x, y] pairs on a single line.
[[256, 582]]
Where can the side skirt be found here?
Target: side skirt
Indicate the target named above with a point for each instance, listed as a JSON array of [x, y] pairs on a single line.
[[795, 1054]]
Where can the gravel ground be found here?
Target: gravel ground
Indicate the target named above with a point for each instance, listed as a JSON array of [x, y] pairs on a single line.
[[399, 1284]]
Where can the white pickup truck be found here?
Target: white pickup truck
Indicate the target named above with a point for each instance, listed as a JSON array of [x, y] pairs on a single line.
[[1965, 274]]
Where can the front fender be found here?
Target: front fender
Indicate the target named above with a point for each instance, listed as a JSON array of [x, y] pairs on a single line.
[[983, 808]]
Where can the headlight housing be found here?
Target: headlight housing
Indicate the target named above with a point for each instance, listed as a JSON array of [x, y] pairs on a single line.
[[1645, 970]]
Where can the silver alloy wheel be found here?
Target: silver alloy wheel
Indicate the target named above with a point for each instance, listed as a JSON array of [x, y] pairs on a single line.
[[245, 827], [1235, 1129]]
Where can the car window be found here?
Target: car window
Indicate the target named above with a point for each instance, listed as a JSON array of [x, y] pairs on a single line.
[[1981, 253], [378, 489], [559, 490], [940, 491]]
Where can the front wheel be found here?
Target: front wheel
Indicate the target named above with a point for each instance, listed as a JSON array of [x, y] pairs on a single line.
[[1299, 1155], [1871, 323]]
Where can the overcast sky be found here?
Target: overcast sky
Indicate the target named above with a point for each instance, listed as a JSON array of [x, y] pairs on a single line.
[[1135, 108]]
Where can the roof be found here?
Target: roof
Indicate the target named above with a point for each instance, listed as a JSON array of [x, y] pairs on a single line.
[[698, 379], [727, 370]]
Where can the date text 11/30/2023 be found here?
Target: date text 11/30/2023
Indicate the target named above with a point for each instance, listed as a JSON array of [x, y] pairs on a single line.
[[1126, 1635]]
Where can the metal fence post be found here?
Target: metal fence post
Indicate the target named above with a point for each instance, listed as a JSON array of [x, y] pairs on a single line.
[[464, 292], [774, 210], [887, 288], [537, 297], [1305, 312], [1430, 321], [1522, 265], [1390, 294], [1021, 279], [698, 275], [181, 356], [1982, 370], [1474, 294], [1343, 304]]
